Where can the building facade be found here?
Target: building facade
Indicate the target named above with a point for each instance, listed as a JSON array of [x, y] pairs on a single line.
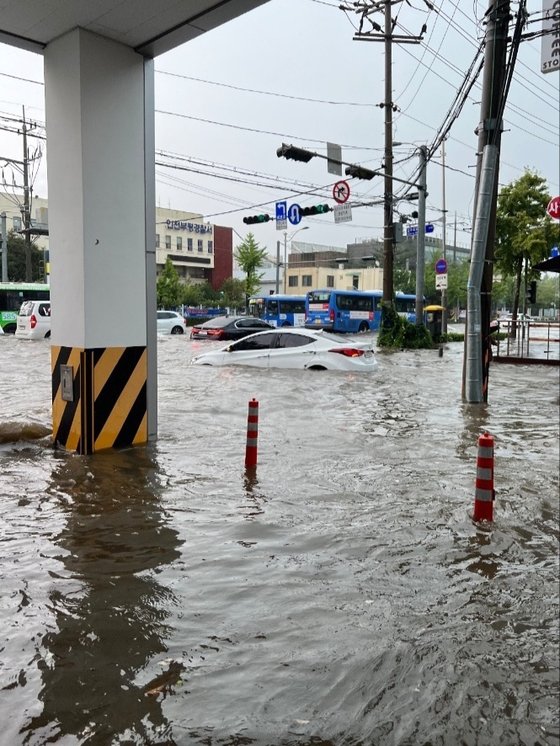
[[199, 251]]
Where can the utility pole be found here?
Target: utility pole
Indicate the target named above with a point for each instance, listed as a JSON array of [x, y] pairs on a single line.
[[26, 211], [443, 239], [277, 283], [387, 36], [489, 134], [388, 238], [4, 246], [421, 237]]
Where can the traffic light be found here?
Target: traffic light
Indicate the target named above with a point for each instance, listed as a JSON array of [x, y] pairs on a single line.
[[532, 292], [315, 210], [294, 154], [359, 172], [250, 219]]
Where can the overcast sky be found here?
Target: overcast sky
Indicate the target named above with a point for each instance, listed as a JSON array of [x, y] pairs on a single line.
[[291, 72]]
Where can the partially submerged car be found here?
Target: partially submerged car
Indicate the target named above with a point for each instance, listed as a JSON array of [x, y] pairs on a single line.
[[229, 327], [305, 349], [34, 320]]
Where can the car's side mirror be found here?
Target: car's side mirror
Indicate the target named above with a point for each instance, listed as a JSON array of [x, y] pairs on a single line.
[[229, 349]]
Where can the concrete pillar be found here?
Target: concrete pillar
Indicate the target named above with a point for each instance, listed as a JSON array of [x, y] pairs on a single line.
[[100, 125]]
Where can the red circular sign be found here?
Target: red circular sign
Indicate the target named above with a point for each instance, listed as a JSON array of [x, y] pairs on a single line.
[[341, 192], [553, 208]]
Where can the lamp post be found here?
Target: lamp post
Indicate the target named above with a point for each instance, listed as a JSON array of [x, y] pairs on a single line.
[[286, 239]]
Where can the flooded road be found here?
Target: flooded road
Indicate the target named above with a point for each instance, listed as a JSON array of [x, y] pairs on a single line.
[[340, 596]]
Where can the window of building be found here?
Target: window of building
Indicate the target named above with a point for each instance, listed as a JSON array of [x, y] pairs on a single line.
[[306, 281], [210, 247], [168, 242], [355, 281], [292, 282], [157, 240], [330, 281], [179, 243], [200, 245], [189, 244]]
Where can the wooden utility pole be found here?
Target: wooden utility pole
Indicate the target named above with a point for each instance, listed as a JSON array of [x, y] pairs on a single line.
[[386, 35]]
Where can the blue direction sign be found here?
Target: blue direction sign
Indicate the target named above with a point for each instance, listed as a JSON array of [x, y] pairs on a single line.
[[412, 230], [294, 215], [441, 267], [281, 210]]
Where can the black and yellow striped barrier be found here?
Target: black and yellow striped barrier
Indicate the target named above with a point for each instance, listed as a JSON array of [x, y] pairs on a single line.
[[99, 397]]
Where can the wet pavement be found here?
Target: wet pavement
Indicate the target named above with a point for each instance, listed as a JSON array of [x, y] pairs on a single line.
[[340, 595]]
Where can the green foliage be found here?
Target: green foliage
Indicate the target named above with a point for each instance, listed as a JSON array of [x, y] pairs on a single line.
[[524, 231], [404, 281], [16, 260], [523, 228], [398, 333], [250, 258], [168, 287], [233, 293], [199, 294]]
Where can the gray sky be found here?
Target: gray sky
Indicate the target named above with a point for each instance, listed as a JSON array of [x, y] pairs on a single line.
[[291, 72]]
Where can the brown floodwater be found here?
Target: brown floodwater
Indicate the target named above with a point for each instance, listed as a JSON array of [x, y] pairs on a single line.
[[339, 596]]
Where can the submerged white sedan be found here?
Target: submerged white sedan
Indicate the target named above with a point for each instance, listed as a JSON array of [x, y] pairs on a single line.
[[306, 349]]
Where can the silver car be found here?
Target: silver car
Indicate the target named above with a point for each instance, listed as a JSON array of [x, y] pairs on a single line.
[[306, 349]]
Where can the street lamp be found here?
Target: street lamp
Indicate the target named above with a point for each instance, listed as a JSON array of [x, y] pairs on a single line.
[[286, 239]]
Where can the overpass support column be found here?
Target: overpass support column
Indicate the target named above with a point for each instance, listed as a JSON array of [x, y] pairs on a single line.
[[100, 137]]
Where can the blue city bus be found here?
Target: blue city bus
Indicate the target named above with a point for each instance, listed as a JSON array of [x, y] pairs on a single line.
[[279, 310], [352, 311]]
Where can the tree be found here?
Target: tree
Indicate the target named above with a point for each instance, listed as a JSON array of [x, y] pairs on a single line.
[[168, 287], [233, 293], [524, 231], [404, 281], [250, 258], [16, 260]]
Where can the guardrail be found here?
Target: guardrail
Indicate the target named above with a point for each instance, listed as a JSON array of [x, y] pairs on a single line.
[[527, 341]]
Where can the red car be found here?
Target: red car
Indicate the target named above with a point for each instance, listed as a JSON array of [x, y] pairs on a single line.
[[229, 327]]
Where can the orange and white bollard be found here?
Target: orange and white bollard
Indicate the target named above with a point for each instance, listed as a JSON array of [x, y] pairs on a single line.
[[252, 434], [484, 492]]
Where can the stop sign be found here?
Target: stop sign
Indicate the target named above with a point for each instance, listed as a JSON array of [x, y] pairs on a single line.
[[553, 208]]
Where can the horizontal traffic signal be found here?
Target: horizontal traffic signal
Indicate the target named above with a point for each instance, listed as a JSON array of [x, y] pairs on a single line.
[[294, 154], [359, 172], [315, 210], [250, 219]]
